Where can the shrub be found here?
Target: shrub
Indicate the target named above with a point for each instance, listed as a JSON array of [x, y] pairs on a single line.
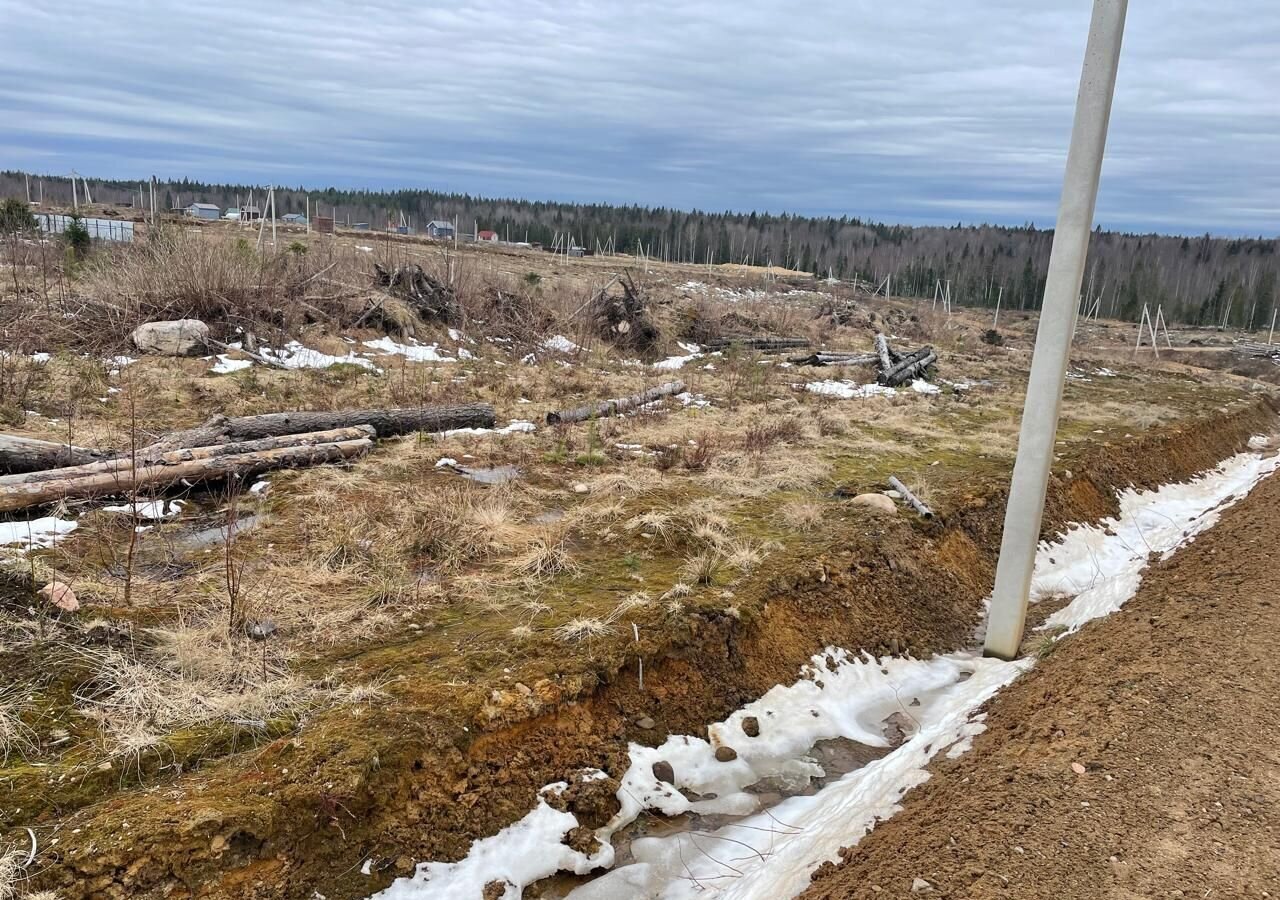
[[76, 237], [16, 217]]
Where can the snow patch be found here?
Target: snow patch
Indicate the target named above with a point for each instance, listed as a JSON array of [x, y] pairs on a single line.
[[672, 363], [225, 365], [411, 352], [560, 344], [849, 390], [40, 533], [152, 510], [296, 356]]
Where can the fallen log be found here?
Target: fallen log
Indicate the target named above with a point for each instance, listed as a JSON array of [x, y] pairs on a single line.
[[22, 454], [916, 503], [160, 476], [882, 350], [764, 345], [385, 422], [834, 359], [912, 366], [173, 457], [606, 408]]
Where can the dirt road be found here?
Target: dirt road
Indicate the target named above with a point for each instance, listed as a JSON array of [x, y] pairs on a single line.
[[1140, 759]]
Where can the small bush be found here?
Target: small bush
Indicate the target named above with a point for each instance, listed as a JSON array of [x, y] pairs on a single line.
[[76, 237], [16, 217]]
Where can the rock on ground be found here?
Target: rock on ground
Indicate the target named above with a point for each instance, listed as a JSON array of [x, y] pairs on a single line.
[[179, 337]]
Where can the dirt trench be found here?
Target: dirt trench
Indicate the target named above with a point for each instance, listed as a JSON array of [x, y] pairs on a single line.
[[413, 782], [1138, 758]]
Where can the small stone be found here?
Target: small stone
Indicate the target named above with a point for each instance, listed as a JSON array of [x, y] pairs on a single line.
[[218, 844], [59, 594], [1077, 768], [403, 864], [726, 754], [892, 494], [581, 488], [260, 630], [751, 726], [876, 502], [646, 723], [920, 886], [663, 772], [1067, 474]]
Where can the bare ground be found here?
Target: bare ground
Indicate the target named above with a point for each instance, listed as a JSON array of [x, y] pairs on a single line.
[[1170, 708]]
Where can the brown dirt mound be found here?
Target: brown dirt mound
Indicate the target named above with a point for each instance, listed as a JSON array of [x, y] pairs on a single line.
[[1137, 760]]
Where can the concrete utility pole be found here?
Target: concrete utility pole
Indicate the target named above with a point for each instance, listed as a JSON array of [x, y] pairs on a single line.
[[1053, 338]]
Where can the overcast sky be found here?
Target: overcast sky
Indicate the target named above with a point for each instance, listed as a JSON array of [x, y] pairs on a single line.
[[912, 111]]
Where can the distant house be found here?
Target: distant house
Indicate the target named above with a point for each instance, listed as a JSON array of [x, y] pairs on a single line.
[[250, 213], [491, 236], [294, 219], [438, 229], [203, 211], [232, 213]]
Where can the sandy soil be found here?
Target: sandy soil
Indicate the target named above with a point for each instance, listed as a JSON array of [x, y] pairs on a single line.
[[1170, 708]]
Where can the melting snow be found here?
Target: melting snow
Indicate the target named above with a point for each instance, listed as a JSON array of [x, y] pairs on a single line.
[[226, 365], [848, 390], [515, 426], [296, 356], [678, 362], [152, 510], [411, 352], [560, 344], [44, 532]]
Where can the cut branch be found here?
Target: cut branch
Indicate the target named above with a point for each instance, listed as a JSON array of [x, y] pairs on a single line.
[[916, 503], [607, 408]]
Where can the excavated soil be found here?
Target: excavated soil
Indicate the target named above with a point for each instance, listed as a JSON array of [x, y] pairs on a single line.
[[413, 781], [1139, 759]]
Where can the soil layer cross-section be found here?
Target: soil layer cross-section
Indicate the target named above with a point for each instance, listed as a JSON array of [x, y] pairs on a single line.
[[1170, 706]]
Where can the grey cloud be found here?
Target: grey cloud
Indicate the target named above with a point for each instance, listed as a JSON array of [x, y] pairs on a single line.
[[918, 111]]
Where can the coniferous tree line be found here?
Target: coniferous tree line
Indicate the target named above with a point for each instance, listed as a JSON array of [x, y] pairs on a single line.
[[1201, 280]]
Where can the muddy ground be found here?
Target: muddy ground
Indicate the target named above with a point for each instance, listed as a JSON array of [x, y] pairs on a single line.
[[1137, 760]]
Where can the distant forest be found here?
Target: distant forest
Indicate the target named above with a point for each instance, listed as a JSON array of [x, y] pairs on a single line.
[[1200, 280]]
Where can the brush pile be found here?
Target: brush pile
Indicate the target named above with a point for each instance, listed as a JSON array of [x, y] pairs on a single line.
[[623, 318], [430, 299]]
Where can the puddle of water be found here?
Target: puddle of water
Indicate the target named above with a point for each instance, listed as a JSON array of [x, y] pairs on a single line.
[[494, 475], [217, 536]]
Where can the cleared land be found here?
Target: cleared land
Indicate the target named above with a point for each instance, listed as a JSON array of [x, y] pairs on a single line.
[[447, 643]]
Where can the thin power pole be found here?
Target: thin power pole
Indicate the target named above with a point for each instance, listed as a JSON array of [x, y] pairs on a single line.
[[1053, 338]]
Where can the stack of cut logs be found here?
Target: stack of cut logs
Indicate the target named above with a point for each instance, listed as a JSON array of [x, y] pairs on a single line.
[[41, 472], [893, 368]]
